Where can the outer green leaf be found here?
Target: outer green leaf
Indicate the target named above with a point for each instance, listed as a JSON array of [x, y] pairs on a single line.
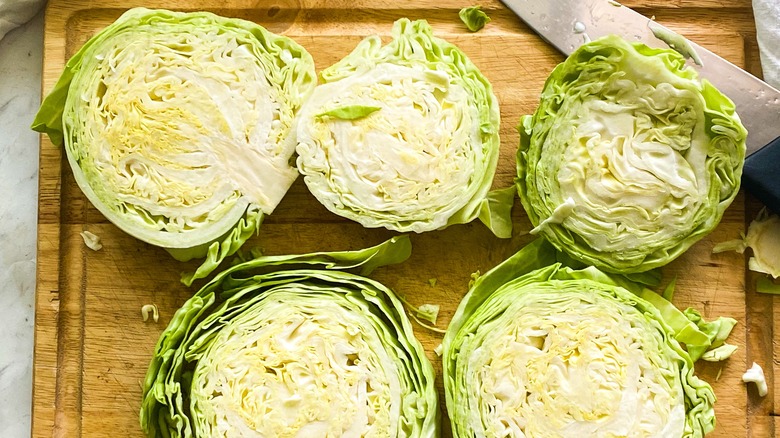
[[537, 348], [427, 158], [220, 250], [177, 126], [293, 345], [496, 211], [767, 286], [668, 292], [717, 331], [474, 18], [643, 155]]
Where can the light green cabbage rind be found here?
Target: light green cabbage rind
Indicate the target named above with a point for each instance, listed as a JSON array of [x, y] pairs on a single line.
[[412, 142], [631, 156], [293, 346], [179, 127], [537, 348]]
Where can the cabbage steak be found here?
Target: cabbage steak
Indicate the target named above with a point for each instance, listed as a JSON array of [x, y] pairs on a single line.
[[178, 127]]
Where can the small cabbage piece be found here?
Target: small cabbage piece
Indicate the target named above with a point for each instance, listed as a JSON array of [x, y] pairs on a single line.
[[293, 346], [178, 127], [146, 309], [718, 354], [675, 41], [755, 374], [763, 237], [92, 240], [474, 18], [629, 159], [404, 136], [540, 349]]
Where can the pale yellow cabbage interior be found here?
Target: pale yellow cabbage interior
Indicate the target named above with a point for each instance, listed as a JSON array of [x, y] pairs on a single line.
[[297, 369], [633, 163], [411, 161], [181, 127], [588, 370]]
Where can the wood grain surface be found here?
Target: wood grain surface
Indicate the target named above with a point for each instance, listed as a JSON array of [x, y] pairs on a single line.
[[92, 347]]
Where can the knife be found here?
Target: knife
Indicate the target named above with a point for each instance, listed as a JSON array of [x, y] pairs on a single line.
[[567, 24]]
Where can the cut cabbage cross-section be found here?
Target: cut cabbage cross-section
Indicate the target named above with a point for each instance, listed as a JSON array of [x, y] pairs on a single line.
[[178, 126], [404, 136], [293, 346], [538, 349], [270, 364], [633, 156]]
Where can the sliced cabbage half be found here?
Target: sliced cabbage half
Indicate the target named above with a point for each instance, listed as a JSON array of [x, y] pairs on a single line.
[[293, 346], [539, 349], [629, 159], [404, 136], [178, 127]]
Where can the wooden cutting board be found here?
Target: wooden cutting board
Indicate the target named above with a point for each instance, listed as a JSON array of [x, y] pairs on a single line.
[[91, 345]]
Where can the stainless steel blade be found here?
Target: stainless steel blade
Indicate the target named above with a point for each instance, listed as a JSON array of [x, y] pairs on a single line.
[[567, 24]]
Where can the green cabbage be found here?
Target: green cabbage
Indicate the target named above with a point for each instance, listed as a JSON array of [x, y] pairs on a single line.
[[539, 349], [178, 127], [474, 18], [404, 136], [629, 158], [293, 346]]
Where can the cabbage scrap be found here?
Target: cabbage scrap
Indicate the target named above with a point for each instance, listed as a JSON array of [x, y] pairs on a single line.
[[755, 374], [91, 240], [148, 309], [178, 127], [629, 158], [474, 18], [404, 136], [293, 346], [540, 349], [763, 237], [719, 353]]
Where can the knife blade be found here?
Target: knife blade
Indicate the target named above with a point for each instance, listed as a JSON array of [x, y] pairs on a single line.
[[567, 24]]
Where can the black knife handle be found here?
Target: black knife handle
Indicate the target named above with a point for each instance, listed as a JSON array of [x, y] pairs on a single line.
[[761, 175]]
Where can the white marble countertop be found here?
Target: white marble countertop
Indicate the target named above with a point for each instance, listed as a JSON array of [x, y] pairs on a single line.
[[20, 90]]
